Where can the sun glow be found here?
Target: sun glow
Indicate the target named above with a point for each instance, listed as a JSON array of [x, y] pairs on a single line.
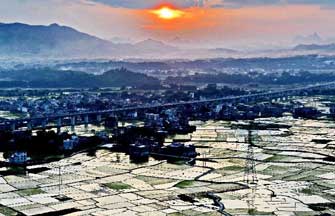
[[168, 13]]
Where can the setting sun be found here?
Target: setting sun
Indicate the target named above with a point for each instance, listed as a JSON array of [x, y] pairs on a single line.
[[168, 13]]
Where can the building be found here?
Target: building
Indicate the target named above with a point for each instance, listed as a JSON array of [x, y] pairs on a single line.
[[18, 158], [70, 144], [111, 122], [152, 116], [139, 152], [179, 151], [305, 112], [332, 110]]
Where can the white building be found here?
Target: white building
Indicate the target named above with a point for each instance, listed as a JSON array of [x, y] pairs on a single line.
[[152, 116]]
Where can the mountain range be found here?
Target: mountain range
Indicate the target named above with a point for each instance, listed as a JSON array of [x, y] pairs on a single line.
[[56, 41], [308, 39], [17, 39]]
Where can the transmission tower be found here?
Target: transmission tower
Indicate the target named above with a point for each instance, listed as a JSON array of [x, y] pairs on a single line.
[[250, 175], [60, 181]]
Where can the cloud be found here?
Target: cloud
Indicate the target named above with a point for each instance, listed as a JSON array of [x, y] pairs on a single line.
[[141, 4], [243, 3]]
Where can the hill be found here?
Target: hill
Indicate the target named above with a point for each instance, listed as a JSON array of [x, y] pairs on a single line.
[[151, 45], [17, 39], [48, 78]]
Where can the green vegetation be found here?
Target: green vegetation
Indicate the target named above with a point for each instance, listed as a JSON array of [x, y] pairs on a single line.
[[233, 168], [230, 169], [30, 192], [184, 184], [118, 186], [19, 171], [48, 78], [178, 162], [304, 213], [318, 189], [307, 191], [308, 178], [275, 158], [176, 214], [53, 157], [288, 174], [7, 211], [255, 212], [277, 170], [322, 206]]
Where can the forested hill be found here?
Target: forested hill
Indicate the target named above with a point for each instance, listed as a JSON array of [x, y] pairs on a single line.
[[48, 78]]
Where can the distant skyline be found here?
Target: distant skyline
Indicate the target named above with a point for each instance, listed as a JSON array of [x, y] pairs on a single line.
[[230, 23]]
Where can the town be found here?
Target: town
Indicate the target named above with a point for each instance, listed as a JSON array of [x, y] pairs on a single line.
[[154, 134]]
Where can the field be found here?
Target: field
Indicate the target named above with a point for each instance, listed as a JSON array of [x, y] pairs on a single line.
[[295, 175]]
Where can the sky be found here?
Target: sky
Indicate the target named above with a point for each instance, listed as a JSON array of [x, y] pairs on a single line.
[[207, 22]]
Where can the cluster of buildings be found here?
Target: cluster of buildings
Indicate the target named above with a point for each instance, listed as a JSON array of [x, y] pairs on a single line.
[[24, 147], [53, 102], [160, 121], [141, 151], [264, 110]]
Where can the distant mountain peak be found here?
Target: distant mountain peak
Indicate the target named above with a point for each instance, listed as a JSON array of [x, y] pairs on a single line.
[[316, 35], [308, 39], [152, 44], [178, 40], [150, 41], [54, 25]]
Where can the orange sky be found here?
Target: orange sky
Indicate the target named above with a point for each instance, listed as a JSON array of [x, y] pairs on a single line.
[[220, 25], [273, 21]]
